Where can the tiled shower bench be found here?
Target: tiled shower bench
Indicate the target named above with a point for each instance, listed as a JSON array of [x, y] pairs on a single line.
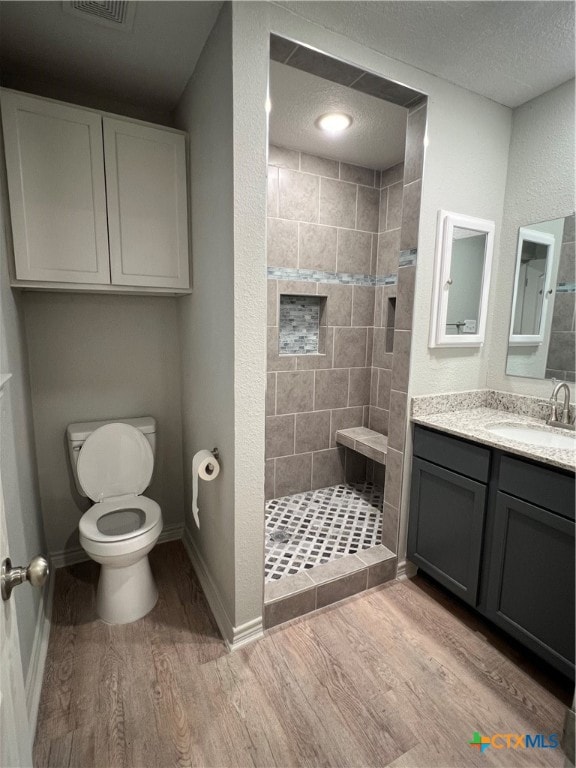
[[369, 443]]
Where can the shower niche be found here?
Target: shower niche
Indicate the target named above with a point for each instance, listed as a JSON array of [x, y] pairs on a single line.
[[302, 325]]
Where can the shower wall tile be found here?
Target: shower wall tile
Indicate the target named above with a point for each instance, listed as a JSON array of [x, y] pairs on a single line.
[[350, 347], [337, 203], [383, 209], [338, 304], [383, 395], [392, 175], [415, 133], [354, 251], [397, 421], [312, 431], [328, 468], [388, 252], [363, 305], [279, 436], [321, 166], [355, 467], [410, 215], [283, 158], [282, 243], [269, 479], [401, 362], [298, 196], [405, 299], [272, 193], [390, 517], [394, 209], [359, 389], [272, 306], [270, 394], [277, 362], [294, 392], [345, 418], [317, 247], [378, 419], [368, 209], [331, 389], [393, 485], [357, 174], [293, 474]]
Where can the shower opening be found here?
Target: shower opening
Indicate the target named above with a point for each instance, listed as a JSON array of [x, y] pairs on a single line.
[[341, 253]]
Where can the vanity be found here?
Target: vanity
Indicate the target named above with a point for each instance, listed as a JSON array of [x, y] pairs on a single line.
[[492, 517]]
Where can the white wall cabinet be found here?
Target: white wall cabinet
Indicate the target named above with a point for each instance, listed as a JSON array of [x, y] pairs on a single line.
[[97, 203]]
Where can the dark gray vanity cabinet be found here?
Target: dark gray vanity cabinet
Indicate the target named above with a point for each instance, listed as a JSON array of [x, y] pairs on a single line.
[[498, 531], [448, 510], [530, 576]]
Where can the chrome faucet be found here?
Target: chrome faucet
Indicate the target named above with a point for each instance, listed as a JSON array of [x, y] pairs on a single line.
[[563, 419]]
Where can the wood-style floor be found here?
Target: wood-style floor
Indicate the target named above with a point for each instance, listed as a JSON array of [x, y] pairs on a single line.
[[399, 676]]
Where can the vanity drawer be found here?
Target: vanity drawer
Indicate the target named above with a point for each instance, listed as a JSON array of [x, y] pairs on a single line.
[[452, 453], [548, 488]]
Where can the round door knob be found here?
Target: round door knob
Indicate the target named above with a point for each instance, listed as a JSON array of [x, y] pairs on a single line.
[[37, 571]]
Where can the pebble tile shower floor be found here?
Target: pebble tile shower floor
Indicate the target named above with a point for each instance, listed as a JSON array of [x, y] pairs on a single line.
[[308, 529]]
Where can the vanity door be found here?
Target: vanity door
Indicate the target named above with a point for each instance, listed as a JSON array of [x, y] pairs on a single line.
[[531, 579], [446, 524]]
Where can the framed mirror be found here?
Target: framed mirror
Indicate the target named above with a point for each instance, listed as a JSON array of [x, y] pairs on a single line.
[[532, 293], [541, 340], [462, 267]]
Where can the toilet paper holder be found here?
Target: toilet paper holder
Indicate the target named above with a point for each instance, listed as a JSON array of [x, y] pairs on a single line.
[[216, 453]]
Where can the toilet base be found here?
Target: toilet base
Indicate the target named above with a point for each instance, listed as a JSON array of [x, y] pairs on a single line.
[[126, 594]]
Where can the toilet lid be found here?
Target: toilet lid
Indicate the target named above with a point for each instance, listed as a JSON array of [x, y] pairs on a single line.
[[115, 460]]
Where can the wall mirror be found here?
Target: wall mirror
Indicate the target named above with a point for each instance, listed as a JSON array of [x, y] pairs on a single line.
[[462, 268], [541, 338]]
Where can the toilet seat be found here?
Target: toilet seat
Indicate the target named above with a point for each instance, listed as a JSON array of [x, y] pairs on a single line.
[[89, 522]]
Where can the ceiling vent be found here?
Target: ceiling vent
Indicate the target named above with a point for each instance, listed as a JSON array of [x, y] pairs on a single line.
[[115, 14]]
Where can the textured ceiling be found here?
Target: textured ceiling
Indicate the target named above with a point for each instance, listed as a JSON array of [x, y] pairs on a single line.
[[510, 52], [150, 65], [375, 139]]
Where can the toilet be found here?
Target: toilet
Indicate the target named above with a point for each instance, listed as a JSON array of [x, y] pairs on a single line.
[[112, 464]]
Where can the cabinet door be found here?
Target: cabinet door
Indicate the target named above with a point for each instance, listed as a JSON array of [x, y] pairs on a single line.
[[445, 527], [147, 205], [55, 167], [531, 579]]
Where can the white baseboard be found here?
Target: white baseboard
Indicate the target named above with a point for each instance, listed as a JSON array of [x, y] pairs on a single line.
[[234, 637], [77, 555], [406, 570], [35, 675]]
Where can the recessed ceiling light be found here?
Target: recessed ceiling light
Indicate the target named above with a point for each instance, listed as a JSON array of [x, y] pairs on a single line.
[[334, 122]]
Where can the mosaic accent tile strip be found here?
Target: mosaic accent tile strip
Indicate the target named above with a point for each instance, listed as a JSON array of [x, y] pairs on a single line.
[[408, 258], [316, 276], [299, 330], [307, 529], [566, 288]]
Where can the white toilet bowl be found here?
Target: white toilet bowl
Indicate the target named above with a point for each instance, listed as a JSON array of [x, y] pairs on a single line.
[[113, 467], [119, 534]]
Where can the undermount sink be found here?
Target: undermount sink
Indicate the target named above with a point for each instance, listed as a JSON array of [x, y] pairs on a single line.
[[533, 435]]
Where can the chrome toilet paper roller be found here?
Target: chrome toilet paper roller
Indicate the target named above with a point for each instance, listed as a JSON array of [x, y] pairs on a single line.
[[206, 466]]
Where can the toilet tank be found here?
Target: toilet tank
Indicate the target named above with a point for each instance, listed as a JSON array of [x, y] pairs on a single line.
[[77, 433]]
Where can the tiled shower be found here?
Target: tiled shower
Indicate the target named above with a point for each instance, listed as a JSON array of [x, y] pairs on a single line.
[[341, 269]]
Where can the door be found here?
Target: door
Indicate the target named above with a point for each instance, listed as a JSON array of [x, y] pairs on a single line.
[[55, 166], [147, 205], [15, 737], [531, 579], [445, 527]]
